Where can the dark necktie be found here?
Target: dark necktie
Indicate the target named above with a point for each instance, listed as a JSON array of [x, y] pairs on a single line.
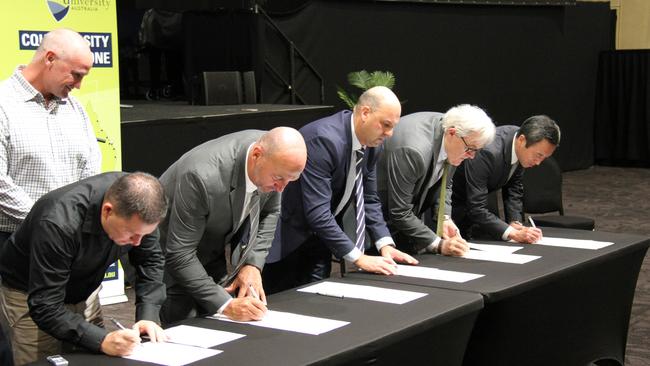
[[359, 203], [442, 200]]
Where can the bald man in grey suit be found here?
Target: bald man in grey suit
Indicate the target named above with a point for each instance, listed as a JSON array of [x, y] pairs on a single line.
[[214, 191], [410, 172]]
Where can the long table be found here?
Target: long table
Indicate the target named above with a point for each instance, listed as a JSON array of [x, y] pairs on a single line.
[[570, 307], [431, 330]]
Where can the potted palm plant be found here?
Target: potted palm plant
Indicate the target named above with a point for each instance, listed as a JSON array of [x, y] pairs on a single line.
[[365, 80]]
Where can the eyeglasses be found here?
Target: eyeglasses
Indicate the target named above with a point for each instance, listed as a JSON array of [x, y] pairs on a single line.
[[467, 147]]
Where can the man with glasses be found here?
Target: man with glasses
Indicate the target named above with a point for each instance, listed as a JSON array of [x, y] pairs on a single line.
[[501, 166], [417, 169]]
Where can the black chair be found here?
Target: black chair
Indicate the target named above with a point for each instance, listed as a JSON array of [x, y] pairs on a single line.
[[543, 194]]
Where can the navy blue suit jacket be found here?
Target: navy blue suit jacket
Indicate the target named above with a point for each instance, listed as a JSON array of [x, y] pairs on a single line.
[[308, 204]]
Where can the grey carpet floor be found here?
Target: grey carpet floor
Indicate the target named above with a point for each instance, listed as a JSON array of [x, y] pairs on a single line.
[[619, 200]]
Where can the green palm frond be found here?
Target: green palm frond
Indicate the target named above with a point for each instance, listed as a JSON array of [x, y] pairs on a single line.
[[360, 79], [348, 99], [365, 80], [382, 78]]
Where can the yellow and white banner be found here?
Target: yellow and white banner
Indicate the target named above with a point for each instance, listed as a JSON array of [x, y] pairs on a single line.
[[22, 26]]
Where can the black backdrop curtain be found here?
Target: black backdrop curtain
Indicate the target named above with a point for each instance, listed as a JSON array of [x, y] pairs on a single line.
[[514, 61], [622, 122]]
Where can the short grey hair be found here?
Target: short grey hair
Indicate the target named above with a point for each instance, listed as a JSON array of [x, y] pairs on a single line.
[[63, 42], [469, 119], [138, 194]]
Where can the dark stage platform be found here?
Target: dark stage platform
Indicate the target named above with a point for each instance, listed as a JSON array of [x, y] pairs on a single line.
[[155, 134]]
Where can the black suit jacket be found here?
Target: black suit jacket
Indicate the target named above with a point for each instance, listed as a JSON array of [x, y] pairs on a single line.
[[486, 173]]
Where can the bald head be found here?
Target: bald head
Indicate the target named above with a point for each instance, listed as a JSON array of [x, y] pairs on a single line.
[[277, 158], [375, 115], [379, 97], [283, 140], [65, 43], [60, 63]]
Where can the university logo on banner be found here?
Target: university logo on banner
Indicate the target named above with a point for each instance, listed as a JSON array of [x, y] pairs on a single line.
[[58, 9]]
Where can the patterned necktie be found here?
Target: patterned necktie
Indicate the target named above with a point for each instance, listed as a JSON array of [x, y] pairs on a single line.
[[360, 213], [240, 254], [442, 200]]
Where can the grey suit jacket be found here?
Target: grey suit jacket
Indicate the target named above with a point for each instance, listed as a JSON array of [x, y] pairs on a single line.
[[403, 173], [206, 188]]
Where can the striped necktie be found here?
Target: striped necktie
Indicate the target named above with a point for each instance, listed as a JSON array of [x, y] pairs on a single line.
[[442, 200], [254, 219], [359, 203]]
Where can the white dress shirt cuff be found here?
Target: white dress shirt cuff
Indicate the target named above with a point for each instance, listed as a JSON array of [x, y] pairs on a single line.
[[506, 233], [353, 255], [382, 242], [433, 247]]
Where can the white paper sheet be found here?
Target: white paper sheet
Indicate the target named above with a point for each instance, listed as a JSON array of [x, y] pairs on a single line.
[[436, 274], [291, 322], [497, 256], [494, 248], [573, 243], [199, 337], [170, 354], [372, 293]]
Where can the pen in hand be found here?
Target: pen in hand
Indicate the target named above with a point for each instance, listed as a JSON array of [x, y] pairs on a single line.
[[532, 223], [119, 325], [251, 289], [254, 293]]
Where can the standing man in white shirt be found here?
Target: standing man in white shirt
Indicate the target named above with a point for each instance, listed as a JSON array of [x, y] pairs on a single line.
[[46, 138]]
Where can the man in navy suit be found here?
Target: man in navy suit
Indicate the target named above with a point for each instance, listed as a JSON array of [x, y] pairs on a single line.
[[310, 228]]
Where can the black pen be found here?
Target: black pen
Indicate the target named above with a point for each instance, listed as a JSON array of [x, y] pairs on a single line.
[[340, 296], [117, 324]]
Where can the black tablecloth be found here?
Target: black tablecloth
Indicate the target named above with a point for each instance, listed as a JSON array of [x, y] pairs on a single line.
[[431, 330], [570, 307]]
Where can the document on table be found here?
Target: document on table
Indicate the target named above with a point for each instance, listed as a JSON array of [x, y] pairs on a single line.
[[372, 293], [435, 274], [500, 256], [170, 354], [291, 322], [573, 243], [494, 248], [199, 337]]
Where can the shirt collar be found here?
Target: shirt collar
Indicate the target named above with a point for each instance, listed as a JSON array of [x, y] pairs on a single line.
[[92, 221], [442, 155], [250, 186], [356, 144], [26, 91], [513, 158]]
